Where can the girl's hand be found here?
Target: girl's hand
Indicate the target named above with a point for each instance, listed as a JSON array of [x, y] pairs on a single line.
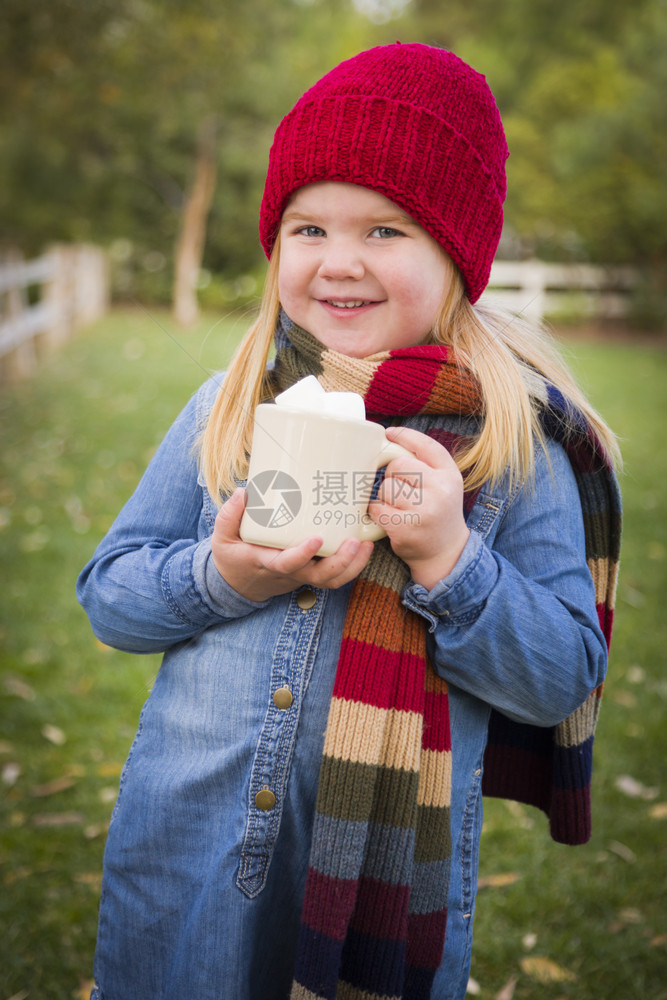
[[420, 506], [258, 572]]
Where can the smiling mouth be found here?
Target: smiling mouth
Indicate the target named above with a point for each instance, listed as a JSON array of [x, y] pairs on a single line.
[[355, 304]]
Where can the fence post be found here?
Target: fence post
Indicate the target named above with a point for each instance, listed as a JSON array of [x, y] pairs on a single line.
[[533, 288], [91, 284], [74, 291], [20, 361], [57, 295]]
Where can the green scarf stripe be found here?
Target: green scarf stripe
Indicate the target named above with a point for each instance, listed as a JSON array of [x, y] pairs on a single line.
[[434, 839], [371, 784], [368, 820]]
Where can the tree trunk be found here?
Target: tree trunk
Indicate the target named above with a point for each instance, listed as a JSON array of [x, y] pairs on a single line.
[[190, 242]]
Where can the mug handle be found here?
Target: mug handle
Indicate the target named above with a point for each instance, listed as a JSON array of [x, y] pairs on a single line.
[[369, 530]]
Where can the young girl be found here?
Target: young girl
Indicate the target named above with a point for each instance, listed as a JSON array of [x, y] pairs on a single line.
[[300, 812]]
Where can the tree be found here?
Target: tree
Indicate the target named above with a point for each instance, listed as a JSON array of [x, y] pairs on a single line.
[[581, 89], [105, 103]]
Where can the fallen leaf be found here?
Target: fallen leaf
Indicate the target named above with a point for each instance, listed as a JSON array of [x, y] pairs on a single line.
[[6, 747], [520, 814], [53, 734], [57, 819], [95, 830], [16, 686], [53, 787], [498, 881], [628, 915], [21, 995], [93, 879], [544, 970], [10, 773], [658, 811], [84, 990], [634, 789], [15, 876], [633, 597], [529, 941], [34, 657], [110, 770], [507, 991], [36, 540], [84, 685], [659, 942], [622, 851]]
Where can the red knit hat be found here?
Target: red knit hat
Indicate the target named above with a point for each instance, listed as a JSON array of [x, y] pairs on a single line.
[[414, 123]]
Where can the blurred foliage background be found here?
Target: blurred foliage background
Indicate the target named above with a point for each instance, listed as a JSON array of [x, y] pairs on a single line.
[[104, 101], [103, 107]]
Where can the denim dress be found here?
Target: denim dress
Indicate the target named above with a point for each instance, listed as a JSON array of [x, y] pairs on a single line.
[[203, 874]]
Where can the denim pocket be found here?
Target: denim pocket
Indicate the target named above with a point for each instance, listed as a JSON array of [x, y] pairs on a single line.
[[485, 516], [124, 773]]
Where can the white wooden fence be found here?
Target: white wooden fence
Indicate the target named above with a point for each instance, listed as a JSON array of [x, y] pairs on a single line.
[[73, 283], [71, 286], [535, 289]]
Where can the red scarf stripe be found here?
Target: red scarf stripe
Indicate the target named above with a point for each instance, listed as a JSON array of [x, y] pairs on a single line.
[[382, 910], [606, 619], [328, 904], [407, 385], [394, 686], [426, 379], [586, 453], [426, 935], [436, 735]]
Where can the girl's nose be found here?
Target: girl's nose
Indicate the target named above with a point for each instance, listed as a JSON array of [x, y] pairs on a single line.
[[341, 260]]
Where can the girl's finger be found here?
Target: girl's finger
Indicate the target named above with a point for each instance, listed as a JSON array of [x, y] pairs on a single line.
[[228, 518], [286, 562], [343, 566], [402, 490], [425, 448]]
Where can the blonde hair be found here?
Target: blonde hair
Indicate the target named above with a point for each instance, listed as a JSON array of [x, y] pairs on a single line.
[[505, 353]]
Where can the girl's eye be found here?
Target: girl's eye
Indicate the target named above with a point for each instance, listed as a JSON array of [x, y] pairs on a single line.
[[311, 231], [385, 232]]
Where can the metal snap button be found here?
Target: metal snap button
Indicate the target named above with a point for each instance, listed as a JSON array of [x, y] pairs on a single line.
[[306, 599], [265, 799], [283, 698]]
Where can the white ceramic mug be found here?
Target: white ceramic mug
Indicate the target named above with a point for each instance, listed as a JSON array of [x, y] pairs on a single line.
[[312, 474]]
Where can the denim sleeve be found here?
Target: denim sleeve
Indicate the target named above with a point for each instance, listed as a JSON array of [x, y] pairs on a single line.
[[515, 622], [152, 582]]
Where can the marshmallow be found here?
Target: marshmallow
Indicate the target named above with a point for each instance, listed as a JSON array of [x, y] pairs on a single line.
[[308, 396]]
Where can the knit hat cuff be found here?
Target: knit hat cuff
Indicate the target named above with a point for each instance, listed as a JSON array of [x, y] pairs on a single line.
[[362, 140]]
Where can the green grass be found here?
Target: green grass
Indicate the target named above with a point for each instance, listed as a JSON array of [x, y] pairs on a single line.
[[74, 440]]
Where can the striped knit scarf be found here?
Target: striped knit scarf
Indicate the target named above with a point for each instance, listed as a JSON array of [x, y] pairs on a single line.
[[375, 906]]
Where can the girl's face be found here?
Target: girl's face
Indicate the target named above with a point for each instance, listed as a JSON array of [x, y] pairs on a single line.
[[357, 272]]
